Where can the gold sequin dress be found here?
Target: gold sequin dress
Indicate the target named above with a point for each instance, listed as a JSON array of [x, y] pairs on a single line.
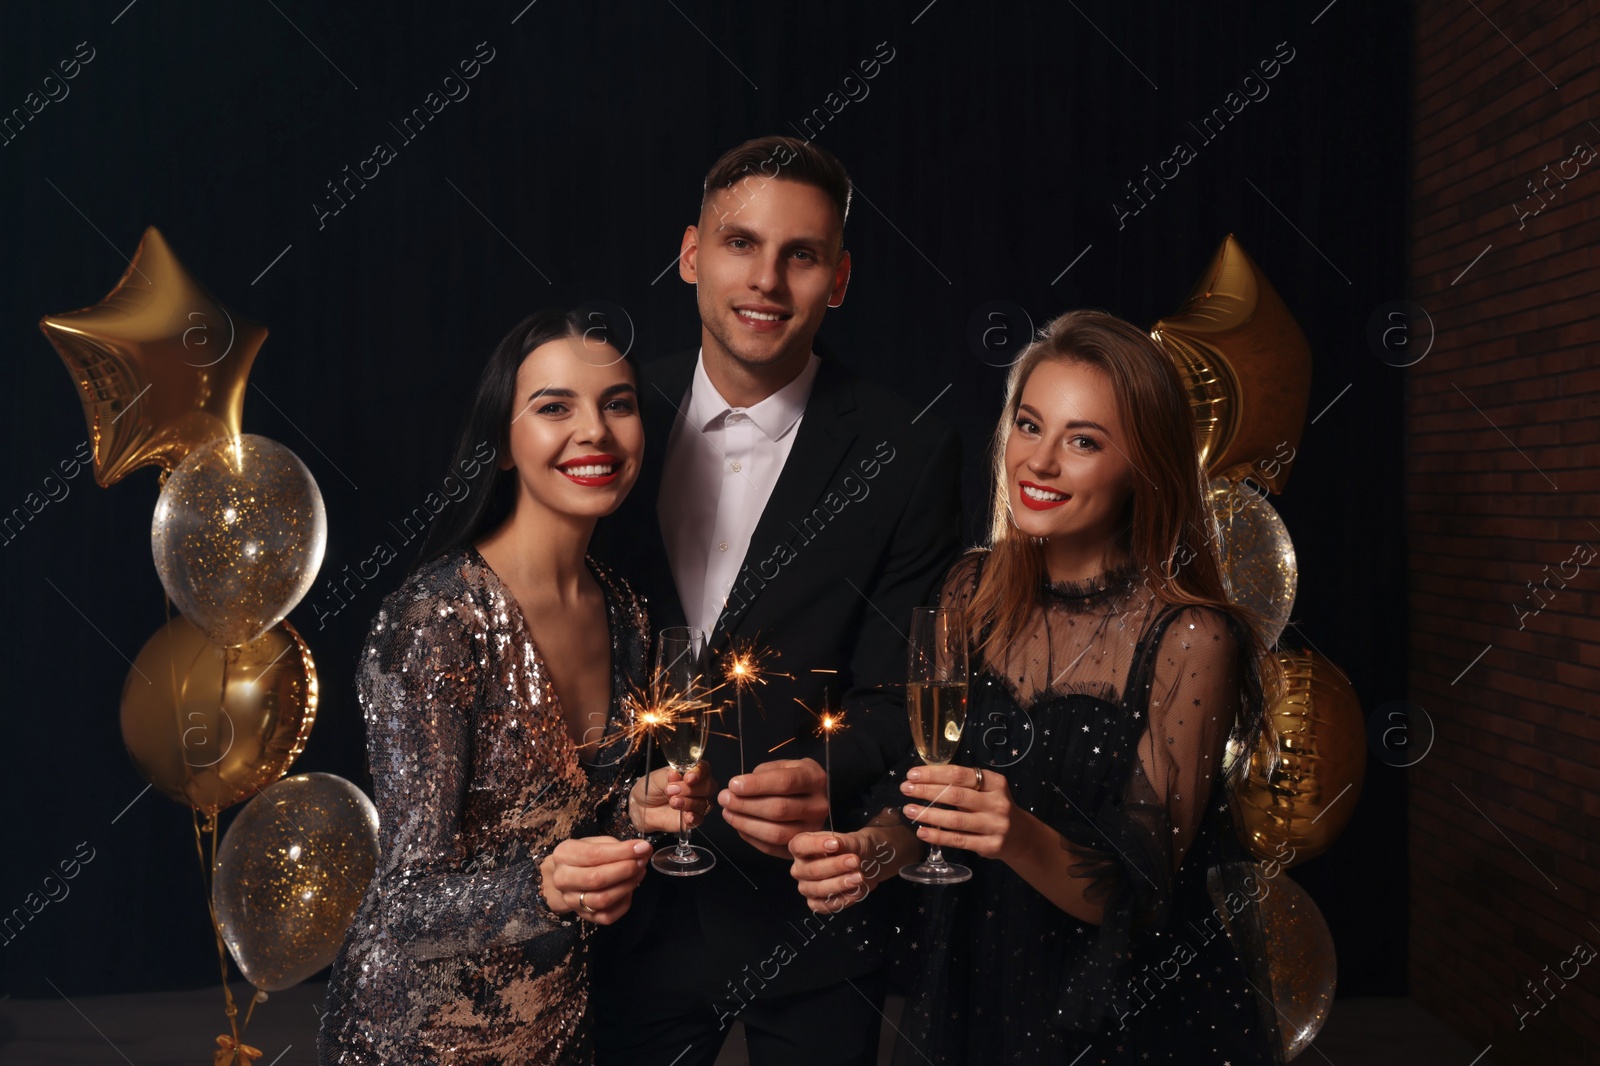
[[454, 956]]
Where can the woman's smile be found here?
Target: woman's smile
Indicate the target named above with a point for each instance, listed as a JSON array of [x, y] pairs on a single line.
[[1041, 497], [592, 470]]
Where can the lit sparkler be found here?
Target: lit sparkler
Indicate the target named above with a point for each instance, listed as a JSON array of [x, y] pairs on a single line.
[[830, 720], [744, 665]]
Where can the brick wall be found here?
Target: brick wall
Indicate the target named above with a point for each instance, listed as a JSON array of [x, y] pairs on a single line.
[[1503, 490]]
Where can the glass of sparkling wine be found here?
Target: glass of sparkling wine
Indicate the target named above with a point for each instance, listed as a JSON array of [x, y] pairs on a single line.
[[936, 699], [685, 723]]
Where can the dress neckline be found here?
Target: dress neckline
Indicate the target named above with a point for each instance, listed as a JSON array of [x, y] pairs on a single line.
[[1090, 591], [520, 625]]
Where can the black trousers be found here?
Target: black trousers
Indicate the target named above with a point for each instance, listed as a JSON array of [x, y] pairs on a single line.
[[652, 1007]]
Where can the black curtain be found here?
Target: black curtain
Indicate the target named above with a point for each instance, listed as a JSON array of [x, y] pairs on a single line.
[[992, 145]]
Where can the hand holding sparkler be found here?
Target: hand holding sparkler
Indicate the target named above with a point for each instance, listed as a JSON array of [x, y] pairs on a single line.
[[773, 802]]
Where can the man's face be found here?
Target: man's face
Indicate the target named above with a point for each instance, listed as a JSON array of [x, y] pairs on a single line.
[[766, 261]]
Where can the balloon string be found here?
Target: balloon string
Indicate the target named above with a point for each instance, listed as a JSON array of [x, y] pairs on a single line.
[[232, 1009]]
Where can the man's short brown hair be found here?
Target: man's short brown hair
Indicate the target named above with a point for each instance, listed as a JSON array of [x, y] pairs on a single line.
[[785, 158]]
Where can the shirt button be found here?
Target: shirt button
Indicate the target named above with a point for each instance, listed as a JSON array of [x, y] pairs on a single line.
[[722, 547], [735, 466]]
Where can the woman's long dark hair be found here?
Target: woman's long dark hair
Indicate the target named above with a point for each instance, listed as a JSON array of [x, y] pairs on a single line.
[[489, 500]]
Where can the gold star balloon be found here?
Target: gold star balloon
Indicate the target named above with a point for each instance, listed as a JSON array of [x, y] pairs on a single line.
[[1247, 367], [160, 365]]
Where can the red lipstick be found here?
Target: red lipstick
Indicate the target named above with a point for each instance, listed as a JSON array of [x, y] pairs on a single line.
[[590, 480], [1040, 505]]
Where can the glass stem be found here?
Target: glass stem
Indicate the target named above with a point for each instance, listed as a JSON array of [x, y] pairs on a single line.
[[935, 856], [683, 833]]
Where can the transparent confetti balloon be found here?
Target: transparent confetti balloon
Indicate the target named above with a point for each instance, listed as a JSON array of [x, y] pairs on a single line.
[[1302, 962], [1258, 561], [292, 871], [238, 536]]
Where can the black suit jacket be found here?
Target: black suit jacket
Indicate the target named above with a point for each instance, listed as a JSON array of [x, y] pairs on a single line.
[[861, 524]]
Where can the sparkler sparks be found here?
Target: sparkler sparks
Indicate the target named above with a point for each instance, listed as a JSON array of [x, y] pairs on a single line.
[[830, 720], [744, 665]]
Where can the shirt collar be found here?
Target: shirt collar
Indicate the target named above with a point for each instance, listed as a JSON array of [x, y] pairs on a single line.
[[774, 416]]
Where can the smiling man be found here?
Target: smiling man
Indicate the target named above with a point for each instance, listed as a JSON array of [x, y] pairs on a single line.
[[788, 504]]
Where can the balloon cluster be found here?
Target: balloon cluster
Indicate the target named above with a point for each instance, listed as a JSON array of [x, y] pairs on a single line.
[[1247, 367], [221, 700]]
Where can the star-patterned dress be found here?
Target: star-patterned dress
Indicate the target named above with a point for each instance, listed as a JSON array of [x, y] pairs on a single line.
[[453, 956], [1109, 719]]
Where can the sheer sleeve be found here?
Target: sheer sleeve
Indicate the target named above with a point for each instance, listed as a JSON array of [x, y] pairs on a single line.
[[1188, 687], [1194, 698], [417, 687]]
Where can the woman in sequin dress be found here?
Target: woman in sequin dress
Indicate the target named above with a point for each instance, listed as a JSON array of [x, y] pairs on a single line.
[[1112, 913], [500, 746]]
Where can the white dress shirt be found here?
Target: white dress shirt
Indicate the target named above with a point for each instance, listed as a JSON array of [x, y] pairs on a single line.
[[721, 464]]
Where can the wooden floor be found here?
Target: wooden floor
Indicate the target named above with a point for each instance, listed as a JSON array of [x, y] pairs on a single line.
[[179, 1029]]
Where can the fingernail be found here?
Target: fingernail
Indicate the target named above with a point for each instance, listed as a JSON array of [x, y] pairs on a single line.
[[831, 844], [851, 862], [641, 847], [724, 796], [673, 790], [912, 809], [905, 786], [853, 879], [913, 775], [737, 784]]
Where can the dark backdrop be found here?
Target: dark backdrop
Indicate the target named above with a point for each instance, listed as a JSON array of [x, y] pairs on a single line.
[[989, 150]]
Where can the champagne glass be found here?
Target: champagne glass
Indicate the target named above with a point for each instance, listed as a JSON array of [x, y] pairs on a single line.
[[682, 702], [936, 699]]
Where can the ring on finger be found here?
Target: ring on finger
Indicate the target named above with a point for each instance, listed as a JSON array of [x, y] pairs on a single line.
[[978, 772], [582, 905]]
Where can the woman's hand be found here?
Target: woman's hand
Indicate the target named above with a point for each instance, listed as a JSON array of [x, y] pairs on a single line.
[[594, 877], [835, 870], [984, 820], [654, 801]]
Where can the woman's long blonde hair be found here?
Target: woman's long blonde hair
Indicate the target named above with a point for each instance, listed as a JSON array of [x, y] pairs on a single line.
[[1169, 531]]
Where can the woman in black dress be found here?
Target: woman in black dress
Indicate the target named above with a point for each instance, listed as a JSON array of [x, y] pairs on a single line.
[[503, 768], [1112, 914]]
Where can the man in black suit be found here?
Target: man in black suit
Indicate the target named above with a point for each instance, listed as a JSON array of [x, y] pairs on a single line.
[[784, 501]]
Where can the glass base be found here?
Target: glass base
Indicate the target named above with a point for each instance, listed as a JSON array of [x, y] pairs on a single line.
[[685, 860], [943, 873]]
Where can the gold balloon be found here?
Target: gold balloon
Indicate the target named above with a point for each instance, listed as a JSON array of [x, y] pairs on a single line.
[[1258, 560], [210, 726], [290, 876], [1305, 776], [160, 365], [238, 536], [1247, 366]]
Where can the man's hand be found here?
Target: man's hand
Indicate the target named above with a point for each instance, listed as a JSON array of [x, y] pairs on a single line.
[[654, 802], [776, 800]]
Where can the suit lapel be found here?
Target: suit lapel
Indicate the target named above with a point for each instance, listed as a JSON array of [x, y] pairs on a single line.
[[821, 444]]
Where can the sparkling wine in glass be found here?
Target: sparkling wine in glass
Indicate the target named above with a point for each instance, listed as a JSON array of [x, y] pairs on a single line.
[[681, 731], [936, 700]]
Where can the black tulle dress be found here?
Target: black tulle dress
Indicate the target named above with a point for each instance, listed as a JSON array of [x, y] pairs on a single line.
[[1109, 718]]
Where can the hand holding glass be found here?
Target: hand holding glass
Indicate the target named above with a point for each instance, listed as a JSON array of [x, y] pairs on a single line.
[[936, 699], [684, 724]]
